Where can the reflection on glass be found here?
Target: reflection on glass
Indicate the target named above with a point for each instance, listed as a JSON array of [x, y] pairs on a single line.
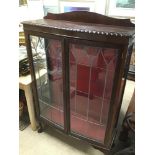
[[92, 72], [47, 61]]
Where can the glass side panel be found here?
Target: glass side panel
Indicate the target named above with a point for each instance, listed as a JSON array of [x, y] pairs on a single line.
[[47, 61], [92, 71]]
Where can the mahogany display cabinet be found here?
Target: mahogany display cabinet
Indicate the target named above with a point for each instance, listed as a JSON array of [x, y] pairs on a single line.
[[86, 58]]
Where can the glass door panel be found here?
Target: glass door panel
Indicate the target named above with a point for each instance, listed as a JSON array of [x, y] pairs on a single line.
[[47, 61], [92, 71]]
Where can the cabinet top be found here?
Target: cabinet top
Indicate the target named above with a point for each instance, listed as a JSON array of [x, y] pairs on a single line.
[[84, 22]]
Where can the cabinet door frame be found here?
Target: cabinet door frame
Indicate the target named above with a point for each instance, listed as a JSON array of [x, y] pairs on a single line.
[[112, 118], [106, 143], [29, 33]]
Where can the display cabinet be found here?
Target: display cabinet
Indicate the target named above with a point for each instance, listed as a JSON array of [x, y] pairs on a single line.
[[86, 57]]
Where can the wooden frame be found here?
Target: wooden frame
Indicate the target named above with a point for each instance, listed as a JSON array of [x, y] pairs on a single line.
[[112, 105], [121, 40]]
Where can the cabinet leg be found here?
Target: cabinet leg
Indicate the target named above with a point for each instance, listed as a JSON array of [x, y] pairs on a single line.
[[102, 150], [40, 128]]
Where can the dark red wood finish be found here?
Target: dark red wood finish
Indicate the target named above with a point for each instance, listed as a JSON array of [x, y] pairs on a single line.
[[90, 29]]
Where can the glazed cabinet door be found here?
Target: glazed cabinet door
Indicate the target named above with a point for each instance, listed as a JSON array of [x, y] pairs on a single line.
[[91, 79], [47, 63]]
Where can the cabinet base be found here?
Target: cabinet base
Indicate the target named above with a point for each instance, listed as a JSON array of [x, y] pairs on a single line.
[[43, 123]]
